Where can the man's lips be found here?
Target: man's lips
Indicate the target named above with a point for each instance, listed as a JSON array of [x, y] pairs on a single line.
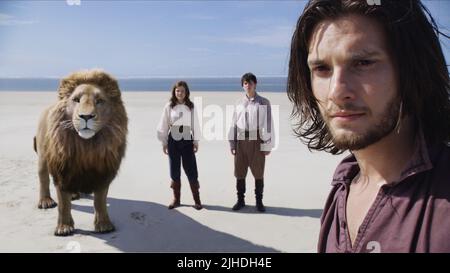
[[346, 116]]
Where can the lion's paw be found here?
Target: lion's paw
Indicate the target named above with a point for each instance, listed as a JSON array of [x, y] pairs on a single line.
[[46, 203], [64, 230], [104, 227]]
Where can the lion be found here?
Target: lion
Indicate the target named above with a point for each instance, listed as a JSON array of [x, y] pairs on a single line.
[[80, 142]]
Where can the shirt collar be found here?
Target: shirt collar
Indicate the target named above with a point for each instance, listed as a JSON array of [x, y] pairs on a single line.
[[253, 98], [419, 162]]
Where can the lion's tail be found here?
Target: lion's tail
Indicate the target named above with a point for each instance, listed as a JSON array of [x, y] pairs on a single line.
[[34, 144]]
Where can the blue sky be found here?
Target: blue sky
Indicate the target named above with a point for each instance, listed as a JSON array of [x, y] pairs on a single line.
[[154, 38]]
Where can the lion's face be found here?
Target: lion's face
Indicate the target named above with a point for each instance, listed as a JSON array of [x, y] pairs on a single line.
[[89, 109]]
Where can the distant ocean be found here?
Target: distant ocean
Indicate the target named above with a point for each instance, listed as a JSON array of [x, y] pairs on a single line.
[[265, 84]]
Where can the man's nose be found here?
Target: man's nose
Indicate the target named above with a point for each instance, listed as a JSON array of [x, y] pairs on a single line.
[[341, 86]]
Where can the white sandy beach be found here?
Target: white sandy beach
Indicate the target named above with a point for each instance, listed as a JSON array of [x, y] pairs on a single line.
[[297, 183]]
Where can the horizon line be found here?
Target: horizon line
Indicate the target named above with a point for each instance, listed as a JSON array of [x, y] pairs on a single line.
[[144, 77]]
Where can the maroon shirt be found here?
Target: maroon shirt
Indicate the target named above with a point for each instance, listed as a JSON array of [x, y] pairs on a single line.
[[411, 215]]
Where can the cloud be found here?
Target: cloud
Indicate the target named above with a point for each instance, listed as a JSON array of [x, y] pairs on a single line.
[[279, 37], [73, 2], [9, 20], [18, 6]]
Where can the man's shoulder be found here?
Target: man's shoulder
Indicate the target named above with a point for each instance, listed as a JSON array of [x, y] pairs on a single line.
[[440, 157], [263, 100], [346, 170], [440, 154]]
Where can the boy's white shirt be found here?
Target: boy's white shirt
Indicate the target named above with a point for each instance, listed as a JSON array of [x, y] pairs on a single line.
[[253, 122]]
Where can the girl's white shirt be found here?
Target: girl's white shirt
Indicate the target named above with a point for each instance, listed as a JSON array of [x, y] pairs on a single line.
[[179, 115]]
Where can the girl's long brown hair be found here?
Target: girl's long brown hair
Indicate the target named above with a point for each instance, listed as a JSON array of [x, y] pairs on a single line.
[[174, 100]]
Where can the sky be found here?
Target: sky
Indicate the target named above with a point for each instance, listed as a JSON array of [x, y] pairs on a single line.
[[155, 38]]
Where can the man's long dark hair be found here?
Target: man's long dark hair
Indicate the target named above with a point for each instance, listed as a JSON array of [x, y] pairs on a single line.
[[187, 100], [413, 40]]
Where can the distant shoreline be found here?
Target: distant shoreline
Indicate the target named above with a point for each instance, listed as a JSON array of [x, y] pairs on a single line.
[[207, 84], [139, 91], [140, 77]]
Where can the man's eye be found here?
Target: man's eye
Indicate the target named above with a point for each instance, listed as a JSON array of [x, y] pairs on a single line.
[[76, 99], [99, 101], [321, 68], [364, 62]]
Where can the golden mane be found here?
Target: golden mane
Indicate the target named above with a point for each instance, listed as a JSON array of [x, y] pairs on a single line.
[[94, 77], [80, 165]]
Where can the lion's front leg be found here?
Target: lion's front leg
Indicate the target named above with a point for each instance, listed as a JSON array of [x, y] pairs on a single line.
[[65, 225], [45, 200], [102, 222]]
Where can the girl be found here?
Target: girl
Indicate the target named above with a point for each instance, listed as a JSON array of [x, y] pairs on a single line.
[[179, 133]]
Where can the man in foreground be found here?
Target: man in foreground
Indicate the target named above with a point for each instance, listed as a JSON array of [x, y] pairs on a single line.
[[372, 80]]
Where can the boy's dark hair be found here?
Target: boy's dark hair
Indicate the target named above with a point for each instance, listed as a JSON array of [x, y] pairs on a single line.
[[248, 77], [413, 41], [187, 100]]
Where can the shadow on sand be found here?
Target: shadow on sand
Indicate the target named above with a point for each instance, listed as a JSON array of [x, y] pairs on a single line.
[[151, 227], [250, 209]]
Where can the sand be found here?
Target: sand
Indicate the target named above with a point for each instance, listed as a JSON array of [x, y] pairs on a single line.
[[297, 183]]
